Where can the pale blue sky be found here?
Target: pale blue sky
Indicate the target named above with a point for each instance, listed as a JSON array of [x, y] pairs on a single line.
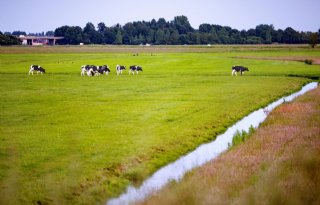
[[44, 15]]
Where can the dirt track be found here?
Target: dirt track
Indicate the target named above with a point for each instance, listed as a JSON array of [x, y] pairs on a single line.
[[147, 49], [316, 60]]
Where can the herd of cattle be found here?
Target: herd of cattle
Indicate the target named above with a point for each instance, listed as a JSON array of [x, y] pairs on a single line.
[[92, 70]]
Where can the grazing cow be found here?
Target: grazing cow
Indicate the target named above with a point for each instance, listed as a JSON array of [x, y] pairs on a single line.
[[135, 68], [120, 68], [91, 70], [37, 68], [240, 69], [103, 69]]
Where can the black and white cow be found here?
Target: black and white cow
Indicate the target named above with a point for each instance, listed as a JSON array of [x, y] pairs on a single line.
[[103, 69], [120, 68], [37, 68], [90, 70], [240, 69], [135, 68]]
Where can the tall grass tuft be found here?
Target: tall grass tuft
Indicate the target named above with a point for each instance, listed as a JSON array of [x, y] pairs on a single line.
[[240, 136]]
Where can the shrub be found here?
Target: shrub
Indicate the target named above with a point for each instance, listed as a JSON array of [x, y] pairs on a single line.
[[308, 61]]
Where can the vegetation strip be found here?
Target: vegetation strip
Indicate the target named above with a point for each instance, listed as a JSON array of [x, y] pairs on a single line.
[[176, 170]]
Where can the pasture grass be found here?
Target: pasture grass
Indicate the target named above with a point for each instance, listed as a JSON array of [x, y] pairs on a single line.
[[67, 139]]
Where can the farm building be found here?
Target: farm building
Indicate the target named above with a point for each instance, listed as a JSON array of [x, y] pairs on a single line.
[[38, 40]]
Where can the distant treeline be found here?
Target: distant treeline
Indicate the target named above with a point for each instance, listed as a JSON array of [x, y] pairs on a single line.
[[8, 39], [177, 32]]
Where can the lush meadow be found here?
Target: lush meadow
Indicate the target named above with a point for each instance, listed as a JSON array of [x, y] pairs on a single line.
[[67, 139]]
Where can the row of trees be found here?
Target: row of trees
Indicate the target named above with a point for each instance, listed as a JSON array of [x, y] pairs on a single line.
[[18, 33], [177, 32]]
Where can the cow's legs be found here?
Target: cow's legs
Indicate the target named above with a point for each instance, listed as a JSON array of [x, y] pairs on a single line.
[[89, 72]]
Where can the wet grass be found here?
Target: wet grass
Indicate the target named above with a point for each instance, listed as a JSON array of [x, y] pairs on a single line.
[[66, 139]]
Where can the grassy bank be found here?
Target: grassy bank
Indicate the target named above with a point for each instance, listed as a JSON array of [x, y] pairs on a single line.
[[67, 139], [278, 164]]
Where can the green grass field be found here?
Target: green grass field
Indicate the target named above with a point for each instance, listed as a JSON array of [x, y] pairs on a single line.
[[67, 139]]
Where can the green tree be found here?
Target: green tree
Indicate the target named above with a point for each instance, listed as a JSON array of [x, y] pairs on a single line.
[[264, 31], [90, 35], [118, 39], [213, 36], [253, 40], [223, 35], [18, 33], [290, 36], [49, 33], [278, 36], [161, 23], [130, 30], [101, 27], [174, 37], [313, 39], [182, 24], [159, 37], [73, 35], [61, 31], [88, 32], [205, 28], [6, 39], [150, 36], [183, 39], [109, 36]]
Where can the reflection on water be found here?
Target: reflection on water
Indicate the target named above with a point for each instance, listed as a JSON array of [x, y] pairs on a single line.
[[202, 154]]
